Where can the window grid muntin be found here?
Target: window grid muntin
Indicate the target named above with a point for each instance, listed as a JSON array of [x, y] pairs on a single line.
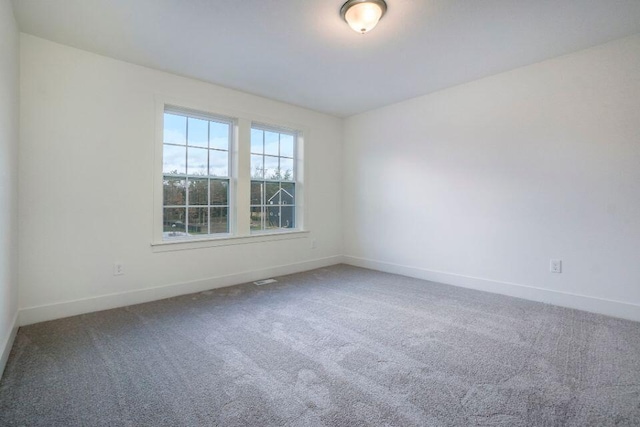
[[209, 177], [264, 206]]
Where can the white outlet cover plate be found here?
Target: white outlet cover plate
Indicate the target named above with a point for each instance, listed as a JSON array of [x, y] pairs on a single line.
[[118, 269], [555, 266]]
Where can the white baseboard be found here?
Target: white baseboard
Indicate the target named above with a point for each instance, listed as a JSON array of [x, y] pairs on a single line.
[[7, 344], [580, 302], [46, 312]]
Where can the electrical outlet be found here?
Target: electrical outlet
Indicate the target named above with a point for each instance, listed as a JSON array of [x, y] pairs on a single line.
[[555, 266], [118, 269], [314, 244]]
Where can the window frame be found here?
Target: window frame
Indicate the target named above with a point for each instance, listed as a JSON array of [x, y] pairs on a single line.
[[189, 113], [239, 210], [295, 134], [188, 178]]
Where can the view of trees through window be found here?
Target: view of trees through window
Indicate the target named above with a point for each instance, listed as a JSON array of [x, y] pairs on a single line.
[[273, 191], [195, 175]]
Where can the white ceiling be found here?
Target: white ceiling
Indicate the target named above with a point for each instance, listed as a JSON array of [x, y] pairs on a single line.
[[301, 52]]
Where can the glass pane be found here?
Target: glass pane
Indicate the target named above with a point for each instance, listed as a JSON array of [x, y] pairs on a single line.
[[198, 132], [219, 192], [257, 167], [256, 218], [173, 159], [256, 192], [198, 191], [256, 141], [175, 129], [271, 170], [198, 221], [286, 169], [288, 193], [273, 217], [219, 220], [272, 193], [173, 191], [286, 145], [218, 163], [287, 217], [197, 161], [271, 143], [173, 222], [219, 135]]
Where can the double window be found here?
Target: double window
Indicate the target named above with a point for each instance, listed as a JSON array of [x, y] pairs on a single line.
[[200, 176]]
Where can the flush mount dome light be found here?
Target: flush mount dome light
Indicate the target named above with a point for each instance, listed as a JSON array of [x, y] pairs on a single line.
[[363, 15]]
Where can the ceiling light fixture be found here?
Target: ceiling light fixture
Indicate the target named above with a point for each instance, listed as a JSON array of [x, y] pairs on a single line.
[[363, 15]]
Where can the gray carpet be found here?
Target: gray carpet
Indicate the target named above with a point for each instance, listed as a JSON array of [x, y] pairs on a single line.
[[338, 346]]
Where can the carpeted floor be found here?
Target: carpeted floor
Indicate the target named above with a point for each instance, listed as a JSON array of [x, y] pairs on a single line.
[[338, 346]]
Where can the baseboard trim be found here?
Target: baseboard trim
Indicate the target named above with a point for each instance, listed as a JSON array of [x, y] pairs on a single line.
[[8, 344], [30, 315], [564, 299]]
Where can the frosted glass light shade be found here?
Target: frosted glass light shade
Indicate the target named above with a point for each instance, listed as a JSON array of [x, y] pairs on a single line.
[[363, 15]]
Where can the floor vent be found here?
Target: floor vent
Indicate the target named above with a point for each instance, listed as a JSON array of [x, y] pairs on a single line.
[[265, 282]]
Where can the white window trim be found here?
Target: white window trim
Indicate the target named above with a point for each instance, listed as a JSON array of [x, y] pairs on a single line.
[[175, 245], [240, 180]]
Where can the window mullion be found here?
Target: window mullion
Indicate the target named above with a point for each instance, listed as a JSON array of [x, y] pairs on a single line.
[[209, 177], [242, 176], [187, 181]]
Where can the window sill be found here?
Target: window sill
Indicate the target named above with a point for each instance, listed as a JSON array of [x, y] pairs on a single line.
[[188, 244]]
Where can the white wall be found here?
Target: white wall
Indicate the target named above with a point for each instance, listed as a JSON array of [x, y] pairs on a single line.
[[481, 184], [86, 183], [478, 185], [9, 108]]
